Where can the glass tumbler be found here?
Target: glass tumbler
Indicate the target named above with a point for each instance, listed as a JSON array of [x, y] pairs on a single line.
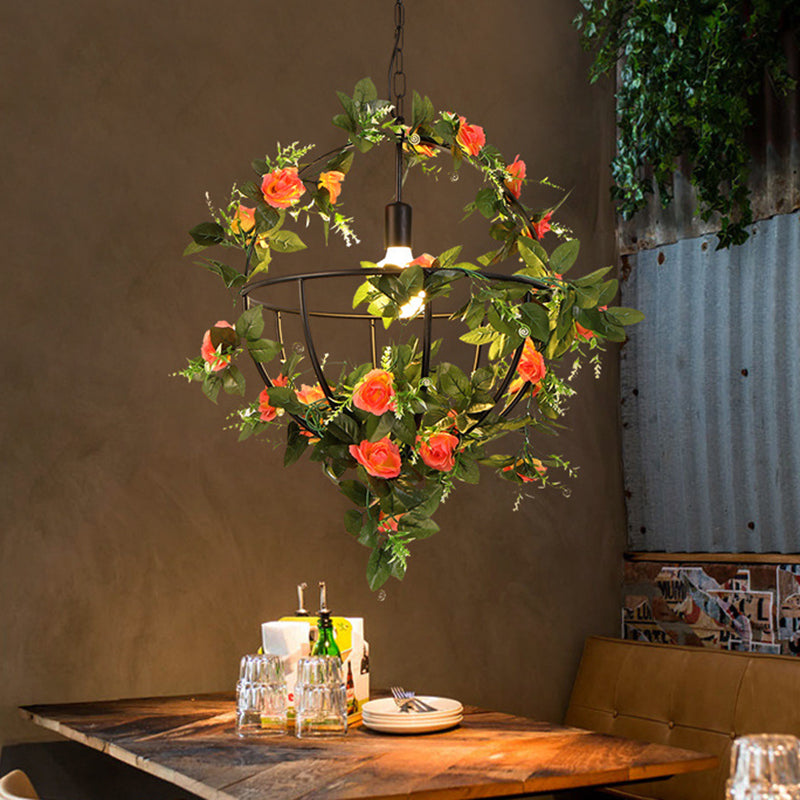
[[764, 767], [320, 697], [261, 697]]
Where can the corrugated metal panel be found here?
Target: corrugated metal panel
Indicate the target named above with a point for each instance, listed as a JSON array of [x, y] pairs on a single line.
[[774, 179], [711, 394]]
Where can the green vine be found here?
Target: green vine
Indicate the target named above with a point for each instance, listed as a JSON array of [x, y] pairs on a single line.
[[689, 70]]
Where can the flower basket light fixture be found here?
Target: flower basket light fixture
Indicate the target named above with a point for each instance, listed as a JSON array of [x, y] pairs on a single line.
[[403, 427]]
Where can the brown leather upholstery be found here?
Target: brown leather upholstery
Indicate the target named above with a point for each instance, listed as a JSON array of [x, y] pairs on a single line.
[[686, 697]]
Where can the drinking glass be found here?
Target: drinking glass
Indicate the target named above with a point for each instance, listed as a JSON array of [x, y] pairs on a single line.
[[261, 696], [764, 767], [320, 697]]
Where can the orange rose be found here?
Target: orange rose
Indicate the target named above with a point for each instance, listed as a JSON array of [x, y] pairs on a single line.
[[541, 227], [439, 451], [244, 220], [583, 333], [380, 459], [531, 365], [470, 138], [266, 411], [310, 394], [375, 393], [332, 181], [425, 260], [517, 172], [282, 188], [212, 355]]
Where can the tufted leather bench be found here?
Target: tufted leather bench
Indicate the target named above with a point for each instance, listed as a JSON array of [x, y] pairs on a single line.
[[688, 697]]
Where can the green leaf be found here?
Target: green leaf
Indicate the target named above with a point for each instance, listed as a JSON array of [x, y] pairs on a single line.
[[268, 218], [378, 569], [355, 491], [588, 297], [233, 381], [486, 202], [530, 257], [252, 191], [285, 397], [468, 470], [193, 248], [353, 521], [379, 426], [497, 461], [453, 382], [341, 162], [564, 256], [420, 530], [608, 291], [250, 324], [212, 383], [500, 324], [344, 122], [362, 293], [286, 242], [263, 260], [477, 336], [625, 316], [347, 104], [404, 429], [592, 277], [345, 428], [263, 350], [365, 91], [231, 277], [448, 258], [536, 318], [368, 535], [444, 131], [296, 443], [207, 233]]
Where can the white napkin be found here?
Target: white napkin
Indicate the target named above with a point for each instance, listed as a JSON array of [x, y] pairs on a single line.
[[289, 640]]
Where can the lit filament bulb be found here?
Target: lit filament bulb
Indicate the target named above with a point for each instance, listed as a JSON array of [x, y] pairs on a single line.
[[398, 251], [413, 306]]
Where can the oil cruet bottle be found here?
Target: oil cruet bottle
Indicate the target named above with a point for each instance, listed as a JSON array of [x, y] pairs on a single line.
[[326, 641]]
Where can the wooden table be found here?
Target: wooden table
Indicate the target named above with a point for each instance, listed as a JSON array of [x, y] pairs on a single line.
[[190, 741]]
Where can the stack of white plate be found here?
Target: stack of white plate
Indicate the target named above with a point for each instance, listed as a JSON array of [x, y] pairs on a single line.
[[383, 715]]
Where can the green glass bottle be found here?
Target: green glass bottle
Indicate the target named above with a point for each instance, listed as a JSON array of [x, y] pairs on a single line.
[[326, 641]]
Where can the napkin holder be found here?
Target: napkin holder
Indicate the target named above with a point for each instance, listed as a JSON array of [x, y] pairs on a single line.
[[349, 633]]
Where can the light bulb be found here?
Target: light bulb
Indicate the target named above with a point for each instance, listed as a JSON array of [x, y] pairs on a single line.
[[413, 306], [397, 257]]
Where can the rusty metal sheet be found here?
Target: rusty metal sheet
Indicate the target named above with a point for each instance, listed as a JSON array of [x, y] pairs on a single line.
[[710, 391]]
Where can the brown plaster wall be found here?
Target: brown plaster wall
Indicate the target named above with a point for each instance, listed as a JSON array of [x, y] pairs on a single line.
[[140, 545]]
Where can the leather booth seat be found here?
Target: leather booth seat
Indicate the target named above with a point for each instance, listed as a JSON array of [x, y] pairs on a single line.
[[690, 697]]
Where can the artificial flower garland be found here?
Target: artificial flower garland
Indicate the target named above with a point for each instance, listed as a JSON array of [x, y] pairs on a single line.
[[409, 436]]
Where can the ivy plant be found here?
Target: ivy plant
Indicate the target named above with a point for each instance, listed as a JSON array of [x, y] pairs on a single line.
[[689, 71]]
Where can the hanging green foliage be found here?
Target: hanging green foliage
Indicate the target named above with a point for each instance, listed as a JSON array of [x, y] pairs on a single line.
[[689, 70]]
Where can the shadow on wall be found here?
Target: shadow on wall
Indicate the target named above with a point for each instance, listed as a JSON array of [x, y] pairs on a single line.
[[70, 771]]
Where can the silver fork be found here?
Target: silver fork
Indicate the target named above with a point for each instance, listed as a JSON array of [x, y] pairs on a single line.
[[406, 700], [403, 703]]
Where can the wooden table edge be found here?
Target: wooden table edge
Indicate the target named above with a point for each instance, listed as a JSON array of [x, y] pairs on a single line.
[[126, 757], [511, 788]]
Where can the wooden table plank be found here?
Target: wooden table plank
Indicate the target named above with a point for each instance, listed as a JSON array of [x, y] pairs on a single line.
[[191, 742]]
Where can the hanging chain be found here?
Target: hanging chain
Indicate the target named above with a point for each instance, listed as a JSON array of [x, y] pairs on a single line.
[[397, 77]]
